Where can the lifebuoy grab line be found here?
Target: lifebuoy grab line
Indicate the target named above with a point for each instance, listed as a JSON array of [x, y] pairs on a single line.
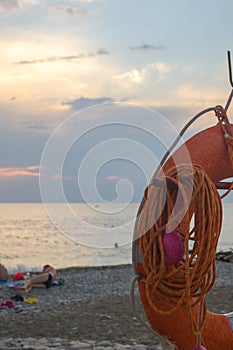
[[149, 281]]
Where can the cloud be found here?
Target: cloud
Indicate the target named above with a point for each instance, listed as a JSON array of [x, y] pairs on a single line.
[[114, 177], [82, 1], [147, 47], [44, 76], [20, 171], [69, 10], [62, 177], [134, 76], [164, 84], [138, 75], [9, 5], [19, 5], [34, 126], [80, 56], [84, 102], [79, 1], [15, 5]]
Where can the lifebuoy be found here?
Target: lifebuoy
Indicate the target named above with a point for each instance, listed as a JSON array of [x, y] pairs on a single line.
[[209, 151]]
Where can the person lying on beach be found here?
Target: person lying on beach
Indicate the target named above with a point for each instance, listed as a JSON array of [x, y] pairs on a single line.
[[44, 279]]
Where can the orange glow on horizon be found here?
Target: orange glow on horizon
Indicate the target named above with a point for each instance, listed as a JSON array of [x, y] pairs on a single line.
[[20, 171]]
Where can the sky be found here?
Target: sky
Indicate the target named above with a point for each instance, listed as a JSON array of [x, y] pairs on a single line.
[[92, 92]]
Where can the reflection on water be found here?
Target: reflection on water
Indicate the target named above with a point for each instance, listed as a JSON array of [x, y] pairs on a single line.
[[29, 239]]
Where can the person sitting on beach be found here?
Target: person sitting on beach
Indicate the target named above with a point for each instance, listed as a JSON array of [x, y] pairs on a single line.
[[44, 279]]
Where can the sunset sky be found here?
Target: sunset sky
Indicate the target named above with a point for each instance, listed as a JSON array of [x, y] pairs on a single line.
[[60, 57]]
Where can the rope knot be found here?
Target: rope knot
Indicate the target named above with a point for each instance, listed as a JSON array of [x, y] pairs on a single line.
[[221, 113]]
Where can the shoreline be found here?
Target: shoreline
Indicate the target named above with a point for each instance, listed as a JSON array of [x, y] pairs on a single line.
[[223, 256]]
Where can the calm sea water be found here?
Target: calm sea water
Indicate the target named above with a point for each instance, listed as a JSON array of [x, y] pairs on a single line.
[[32, 235]]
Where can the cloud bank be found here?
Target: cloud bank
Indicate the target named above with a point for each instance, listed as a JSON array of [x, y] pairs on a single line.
[[20, 171], [9, 5]]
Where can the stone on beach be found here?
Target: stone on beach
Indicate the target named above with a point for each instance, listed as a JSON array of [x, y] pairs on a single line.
[[90, 311]]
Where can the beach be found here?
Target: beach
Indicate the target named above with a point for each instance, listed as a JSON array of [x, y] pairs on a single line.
[[91, 310]]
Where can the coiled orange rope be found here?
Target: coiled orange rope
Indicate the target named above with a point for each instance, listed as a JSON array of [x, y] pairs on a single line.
[[185, 196]]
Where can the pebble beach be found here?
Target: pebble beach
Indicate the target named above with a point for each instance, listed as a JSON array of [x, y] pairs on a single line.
[[90, 310]]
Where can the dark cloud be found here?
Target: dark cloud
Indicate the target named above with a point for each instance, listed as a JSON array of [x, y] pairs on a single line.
[[147, 47], [102, 52], [9, 5], [84, 102], [80, 56], [34, 126], [69, 10]]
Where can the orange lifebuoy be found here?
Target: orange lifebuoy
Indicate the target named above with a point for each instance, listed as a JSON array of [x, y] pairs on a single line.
[[208, 149]]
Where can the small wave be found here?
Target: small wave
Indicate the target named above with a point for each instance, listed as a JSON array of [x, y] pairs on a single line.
[[24, 268]]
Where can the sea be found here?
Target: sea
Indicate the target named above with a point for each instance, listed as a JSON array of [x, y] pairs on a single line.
[[35, 234]]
